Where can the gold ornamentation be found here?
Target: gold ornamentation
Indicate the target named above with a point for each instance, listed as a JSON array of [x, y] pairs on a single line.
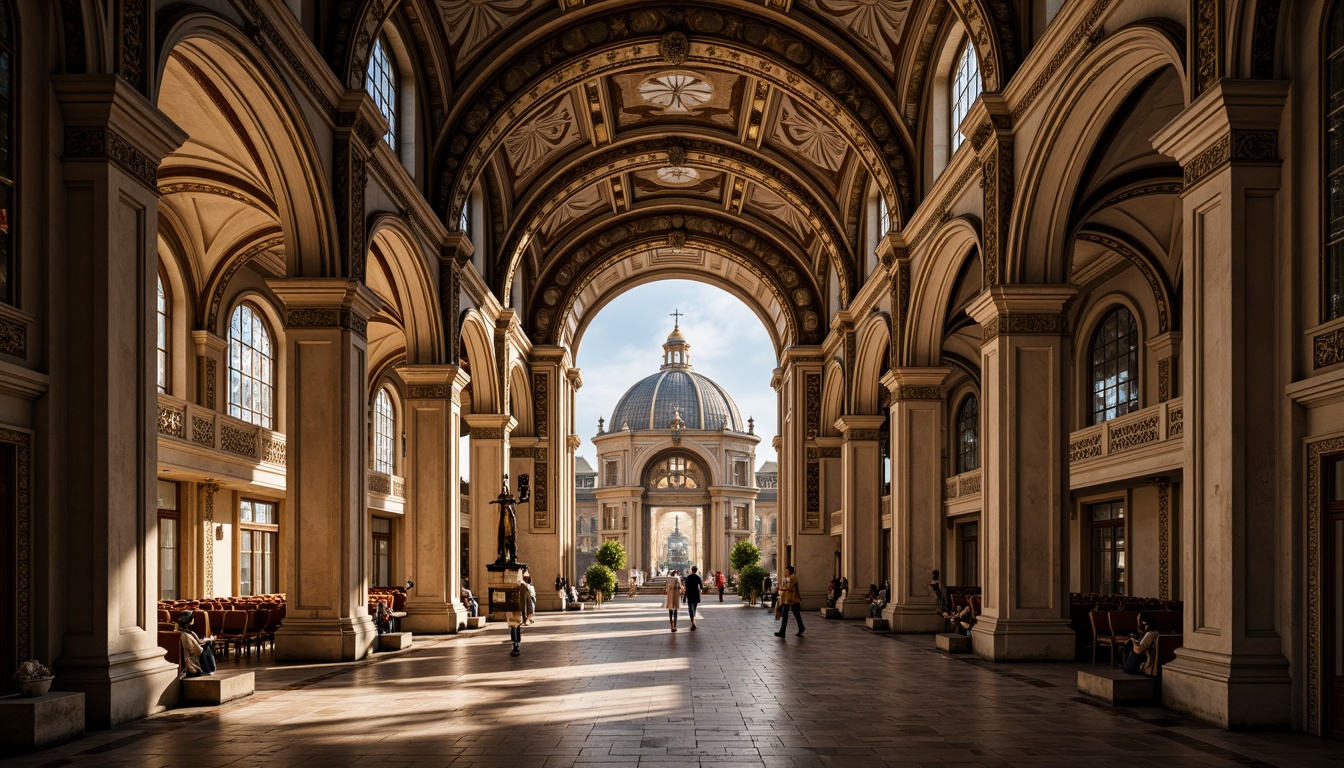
[[674, 48], [172, 422]]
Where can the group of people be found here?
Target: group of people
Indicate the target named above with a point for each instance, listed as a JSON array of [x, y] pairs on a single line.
[[691, 587], [568, 593]]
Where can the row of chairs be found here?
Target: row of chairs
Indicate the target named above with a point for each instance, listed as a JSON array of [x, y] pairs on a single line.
[[1112, 629], [237, 629]]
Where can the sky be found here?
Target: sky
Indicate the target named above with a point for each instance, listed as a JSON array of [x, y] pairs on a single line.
[[624, 343]]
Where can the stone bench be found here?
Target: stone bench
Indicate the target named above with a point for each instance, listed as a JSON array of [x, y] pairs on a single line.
[[394, 641], [831, 613], [209, 690], [878, 625], [951, 642], [1117, 687], [475, 622], [40, 721]]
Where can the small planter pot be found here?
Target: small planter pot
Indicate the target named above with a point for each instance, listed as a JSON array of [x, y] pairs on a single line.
[[31, 688]]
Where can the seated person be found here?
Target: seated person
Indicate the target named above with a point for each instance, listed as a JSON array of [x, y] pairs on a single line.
[[877, 603], [962, 620], [470, 602], [574, 603], [382, 618], [198, 655], [1134, 654], [833, 593]]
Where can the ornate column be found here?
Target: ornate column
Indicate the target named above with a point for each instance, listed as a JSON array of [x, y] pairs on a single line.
[[208, 490], [1231, 670], [433, 504], [324, 527], [1022, 363], [489, 463], [861, 508], [553, 381], [804, 527], [105, 198], [917, 419], [211, 368]]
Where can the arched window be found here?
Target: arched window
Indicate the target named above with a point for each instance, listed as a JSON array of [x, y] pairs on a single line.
[[165, 331], [251, 368], [1115, 366], [8, 221], [1334, 164], [677, 473], [384, 431], [381, 84], [968, 435], [965, 89]]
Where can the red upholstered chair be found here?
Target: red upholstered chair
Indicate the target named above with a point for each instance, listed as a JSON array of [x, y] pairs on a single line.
[[233, 631]]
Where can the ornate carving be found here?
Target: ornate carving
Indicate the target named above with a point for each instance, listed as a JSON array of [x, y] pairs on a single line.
[[1086, 34], [14, 338], [427, 392], [327, 317], [1023, 324], [1176, 422], [1134, 434], [261, 32], [272, 450], [917, 393], [812, 394], [674, 48], [203, 430], [172, 422], [225, 279], [1207, 47], [1253, 146], [210, 366], [23, 544], [1264, 35], [1117, 242], [208, 489], [380, 483], [817, 454], [950, 487], [541, 515], [812, 513], [1327, 348], [1164, 539], [969, 485], [1164, 379], [996, 180], [99, 143], [398, 487], [132, 41], [863, 434], [1086, 447], [487, 433], [541, 391], [240, 441]]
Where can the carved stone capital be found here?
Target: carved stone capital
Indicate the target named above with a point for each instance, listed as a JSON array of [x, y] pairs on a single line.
[[106, 119], [326, 303], [433, 382], [1022, 309], [490, 426], [1234, 121]]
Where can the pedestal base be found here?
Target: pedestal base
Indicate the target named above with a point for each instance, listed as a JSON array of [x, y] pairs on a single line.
[[120, 688], [475, 622], [42, 720], [854, 609], [325, 639], [915, 619], [1023, 639], [431, 617], [1116, 687], [877, 625], [394, 641], [212, 690], [951, 642], [1228, 691]]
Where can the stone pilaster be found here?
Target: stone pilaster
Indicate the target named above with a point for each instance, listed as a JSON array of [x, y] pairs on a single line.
[[917, 419], [489, 463], [991, 135], [1024, 523], [1166, 352], [1231, 670], [211, 369], [433, 504], [324, 527], [804, 524], [552, 386], [860, 508], [106, 200]]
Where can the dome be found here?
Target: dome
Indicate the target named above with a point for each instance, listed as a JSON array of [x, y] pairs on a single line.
[[676, 392]]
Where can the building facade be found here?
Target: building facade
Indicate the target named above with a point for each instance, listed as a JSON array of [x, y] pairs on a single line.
[[1066, 275]]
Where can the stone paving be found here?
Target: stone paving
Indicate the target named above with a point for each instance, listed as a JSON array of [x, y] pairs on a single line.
[[615, 688]]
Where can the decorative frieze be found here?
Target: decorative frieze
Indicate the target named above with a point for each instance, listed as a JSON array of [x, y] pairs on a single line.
[[1176, 421], [812, 395], [1024, 324], [96, 142], [817, 454], [541, 512], [13, 337], [1208, 22], [273, 450], [812, 511], [428, 392], [905, 392], [487, 433], [327, 317], [239, 441], [541, 389], [1085, 447], [203, 430], [863, 434], [1238, 145], [1135, 434], [1327, 348]]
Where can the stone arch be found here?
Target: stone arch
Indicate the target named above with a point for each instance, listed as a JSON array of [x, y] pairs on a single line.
[[1055, 163], [1165, 300], [416, 297], [520, 400], [180, 286], [655, 454], [832, 398], [874, 337], [947, 250], [479, 349], [994, 31], [1085, 327], [254, 99]]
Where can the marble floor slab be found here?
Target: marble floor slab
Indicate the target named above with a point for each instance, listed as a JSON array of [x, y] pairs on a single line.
[[615, 688]]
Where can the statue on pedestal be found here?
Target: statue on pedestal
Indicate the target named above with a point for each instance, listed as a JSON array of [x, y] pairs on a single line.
[[507, 536]]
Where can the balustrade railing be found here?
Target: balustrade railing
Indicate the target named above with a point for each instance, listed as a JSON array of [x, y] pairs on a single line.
[[1152, 426], [203, 427]]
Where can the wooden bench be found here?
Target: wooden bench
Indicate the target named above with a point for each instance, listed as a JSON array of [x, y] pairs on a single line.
[[951, 642], [1118, 688], [209, 690]]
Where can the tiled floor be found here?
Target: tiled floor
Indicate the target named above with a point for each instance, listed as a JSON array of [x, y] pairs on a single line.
[[615, 688]]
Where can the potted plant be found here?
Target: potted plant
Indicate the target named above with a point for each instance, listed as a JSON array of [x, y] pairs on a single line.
[[33, 679]]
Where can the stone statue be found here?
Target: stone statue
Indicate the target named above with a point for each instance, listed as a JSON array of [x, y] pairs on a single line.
[[508, 526]]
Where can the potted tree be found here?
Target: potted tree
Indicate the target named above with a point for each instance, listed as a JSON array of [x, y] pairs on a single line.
[[745, 556], [33, 679], [602, 580]]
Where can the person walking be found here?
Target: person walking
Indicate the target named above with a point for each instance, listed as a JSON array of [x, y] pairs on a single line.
[[673, 601], [634, 582], [694, 588], [720, 581], [789, 597], [530, 607]]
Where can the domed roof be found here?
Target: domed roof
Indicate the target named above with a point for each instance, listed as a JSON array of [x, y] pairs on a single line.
[[676, 392]]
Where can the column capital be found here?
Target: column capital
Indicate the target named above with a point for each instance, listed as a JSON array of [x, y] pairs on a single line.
[[433, 382], [573, 442], [357, 113], [1165, 344], [456, 250], [801, 354], [891, 250], [916, 383], [490, 426], [1235, 121], [1022, 309], [105, 118], [854, 427], [326, 302], [575, 377], [990, 115], [206, 342]]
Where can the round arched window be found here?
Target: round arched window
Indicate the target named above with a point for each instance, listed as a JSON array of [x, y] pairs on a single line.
[[677, 473], [968, 435], [251, 368], [1115, 366]]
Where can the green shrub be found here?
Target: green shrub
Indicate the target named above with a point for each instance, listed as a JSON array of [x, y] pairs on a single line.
[[744, 554], [611, 554], [750, 580], [602, 578]]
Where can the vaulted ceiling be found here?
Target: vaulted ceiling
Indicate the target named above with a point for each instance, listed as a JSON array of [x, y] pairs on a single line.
[[734, 142]]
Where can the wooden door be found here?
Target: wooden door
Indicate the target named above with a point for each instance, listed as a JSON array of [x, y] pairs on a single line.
[[1333, 601]]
